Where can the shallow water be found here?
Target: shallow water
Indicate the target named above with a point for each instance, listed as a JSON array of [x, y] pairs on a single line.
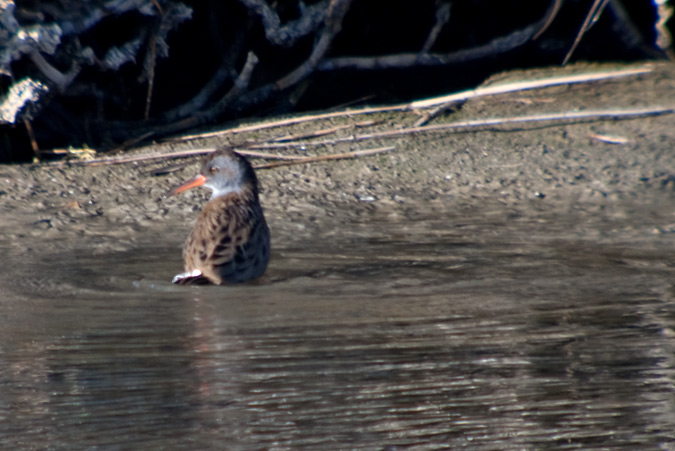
[[417, 331]]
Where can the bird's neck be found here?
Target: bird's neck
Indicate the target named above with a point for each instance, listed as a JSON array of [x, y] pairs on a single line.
[[225, 191], [244, 191]]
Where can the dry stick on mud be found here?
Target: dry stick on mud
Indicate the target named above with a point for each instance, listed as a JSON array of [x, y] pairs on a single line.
[[288, 159], [445, 100], [323, 132], [568, 116], [491, 122], [339, 156], [179, 154]]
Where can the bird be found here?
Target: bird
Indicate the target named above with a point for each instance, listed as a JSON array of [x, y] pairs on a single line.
[[230, 242]]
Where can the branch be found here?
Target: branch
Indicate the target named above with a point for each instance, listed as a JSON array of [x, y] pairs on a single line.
[[287, 122], [403, 60], [150, 63], [285, 36], [432, 102], [553, 117], [198, 118], [548, 19], [483, 123], [226, 70], [286, 159], [203, 96], [591, 18], [334, 16], [442, 18], [61, 80], [445, 102], [498, 45], [333, 22], [240, 85], [339, 156]]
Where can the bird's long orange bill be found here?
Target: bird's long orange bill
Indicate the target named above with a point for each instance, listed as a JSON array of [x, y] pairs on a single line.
[[192, 183]]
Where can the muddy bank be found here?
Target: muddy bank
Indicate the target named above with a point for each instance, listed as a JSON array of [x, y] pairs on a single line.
[[537, 170]]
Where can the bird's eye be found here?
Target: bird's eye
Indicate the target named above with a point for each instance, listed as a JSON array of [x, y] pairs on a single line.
[[214, 169]]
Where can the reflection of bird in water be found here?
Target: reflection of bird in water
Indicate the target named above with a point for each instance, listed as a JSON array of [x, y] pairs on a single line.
[[230, 242]]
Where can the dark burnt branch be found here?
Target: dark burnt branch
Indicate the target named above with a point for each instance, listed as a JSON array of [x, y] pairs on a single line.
[[630, 34], [227, 70], [497, 46], [222, 74], [402, 60], [334, 16], [442, 18], [240, 86], [245, 100], [55, 76], [310, 19], [203, 117], [239, 98], [74, 20], [54, 43]]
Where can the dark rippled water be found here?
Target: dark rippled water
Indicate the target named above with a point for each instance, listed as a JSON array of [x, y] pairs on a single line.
[[422, 332]]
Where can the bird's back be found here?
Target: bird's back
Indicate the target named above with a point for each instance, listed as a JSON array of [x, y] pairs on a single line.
[[230, 242]]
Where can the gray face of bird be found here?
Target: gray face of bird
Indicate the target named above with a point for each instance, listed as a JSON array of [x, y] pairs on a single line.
[[224, 174]]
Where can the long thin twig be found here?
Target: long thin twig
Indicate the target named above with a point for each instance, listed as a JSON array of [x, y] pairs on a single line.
[[151, 61], [445, 102], [175, 155], [482, 123], [268, 156], [526, 85], [479, 123], [431, 102], [553, 12], [316, 134], [566, 116], [138, 158], [31, 136], [287, 122], [442, 18], [592, 16], [286, 160], [322, 132], [338, 156]]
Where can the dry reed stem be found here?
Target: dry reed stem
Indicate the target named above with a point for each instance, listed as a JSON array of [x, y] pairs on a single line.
[[433, 102], [492, 122], [338, 156], [565, 116]]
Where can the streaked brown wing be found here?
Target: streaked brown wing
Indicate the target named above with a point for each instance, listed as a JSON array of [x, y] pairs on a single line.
[[251, 249], [222, 226], [250, 260]]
